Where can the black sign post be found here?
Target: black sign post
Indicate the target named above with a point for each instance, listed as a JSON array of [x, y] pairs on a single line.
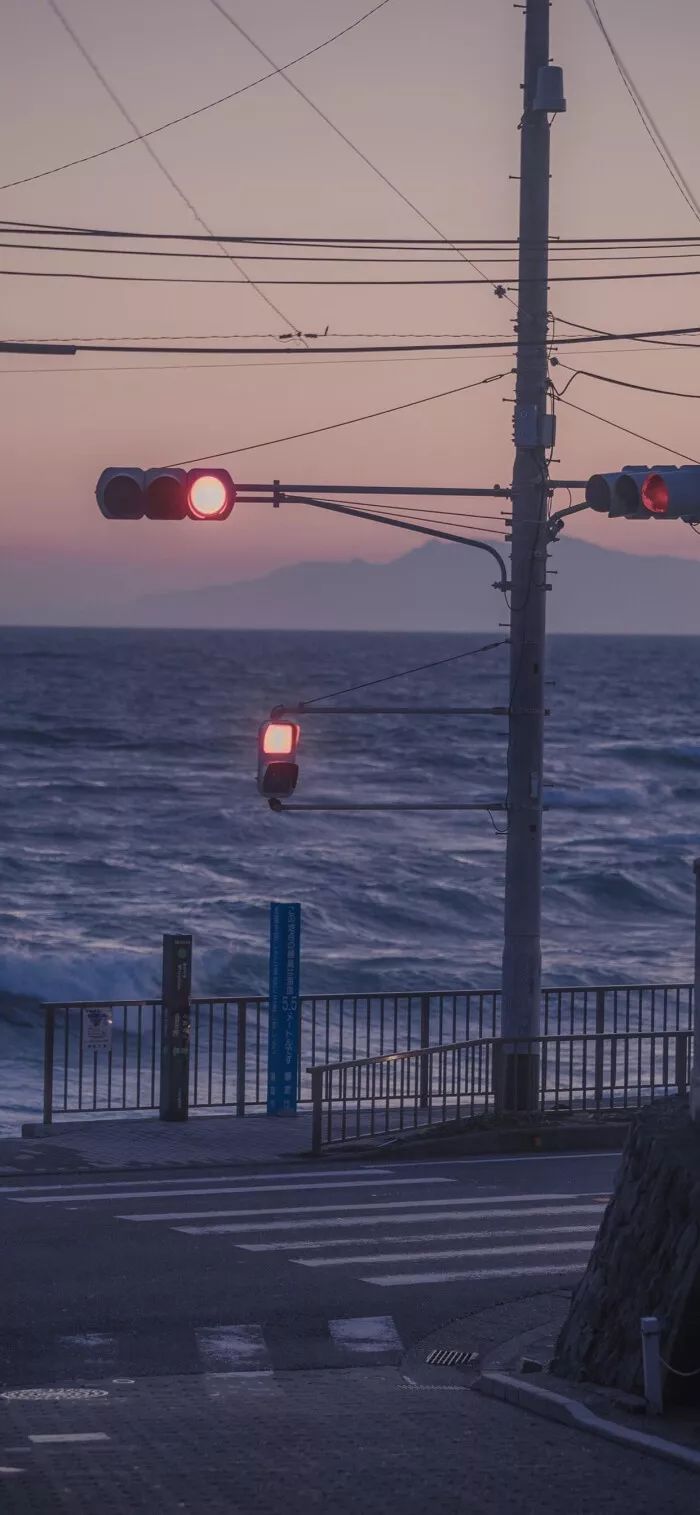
[[175, 1027]]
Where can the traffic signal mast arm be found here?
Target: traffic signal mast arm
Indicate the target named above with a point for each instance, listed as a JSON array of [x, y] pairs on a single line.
[[424, 531]]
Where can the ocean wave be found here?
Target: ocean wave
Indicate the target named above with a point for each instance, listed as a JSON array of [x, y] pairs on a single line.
[[595, 797], [645, 754]]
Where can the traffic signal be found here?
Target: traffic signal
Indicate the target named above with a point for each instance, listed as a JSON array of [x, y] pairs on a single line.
[[643, 494], [166, 494], [278, 769]]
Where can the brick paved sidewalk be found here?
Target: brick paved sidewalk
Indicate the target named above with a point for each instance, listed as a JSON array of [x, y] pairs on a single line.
[[146, 1142], [326, 1441]]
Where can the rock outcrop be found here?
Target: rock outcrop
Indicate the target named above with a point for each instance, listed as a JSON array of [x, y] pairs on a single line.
[[646, 1261]]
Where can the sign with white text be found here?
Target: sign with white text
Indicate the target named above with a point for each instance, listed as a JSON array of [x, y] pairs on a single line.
[[283, 1031], [97, 1030]]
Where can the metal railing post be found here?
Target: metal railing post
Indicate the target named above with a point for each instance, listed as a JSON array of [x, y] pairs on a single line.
[[317, 1110], [241, 1041], [682, 1039], [499, 1081], [49, 1032], [425, 1042], [599, 1046]]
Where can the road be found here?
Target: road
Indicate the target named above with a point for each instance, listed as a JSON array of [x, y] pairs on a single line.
[[162, 1274], [242, 1343]]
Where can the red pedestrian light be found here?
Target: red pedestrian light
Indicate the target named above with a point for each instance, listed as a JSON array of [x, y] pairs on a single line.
[[279, 738], [278, 769], [211, 494]]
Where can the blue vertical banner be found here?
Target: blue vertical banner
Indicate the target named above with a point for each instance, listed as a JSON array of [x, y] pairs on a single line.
[[283, 1030]]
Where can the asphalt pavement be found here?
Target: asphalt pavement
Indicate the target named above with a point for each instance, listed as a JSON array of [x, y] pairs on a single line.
[[256, 1341], [286, 1267]]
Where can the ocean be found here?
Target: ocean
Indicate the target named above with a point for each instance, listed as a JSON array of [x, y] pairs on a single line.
[[128, 807]]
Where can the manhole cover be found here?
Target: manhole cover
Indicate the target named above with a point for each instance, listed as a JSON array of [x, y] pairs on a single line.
[[55, 1394], [445, 1357]]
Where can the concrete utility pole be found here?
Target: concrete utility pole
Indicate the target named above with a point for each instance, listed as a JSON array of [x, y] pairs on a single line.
[[521, 954]]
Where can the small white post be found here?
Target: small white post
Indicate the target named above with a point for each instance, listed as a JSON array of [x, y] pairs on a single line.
[[651, 1360]]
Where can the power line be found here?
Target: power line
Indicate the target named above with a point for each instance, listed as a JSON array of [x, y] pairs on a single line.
[[153, 154], [405, 672], [645, 116], [332, 258], [315, 431], [607, 421], [383, 243], [647, 389], [347, 140], [189, 115], [320, 362], [430, 346], [364, 283]]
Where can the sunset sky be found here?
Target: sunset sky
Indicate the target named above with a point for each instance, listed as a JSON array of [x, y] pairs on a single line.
[[430, 93]]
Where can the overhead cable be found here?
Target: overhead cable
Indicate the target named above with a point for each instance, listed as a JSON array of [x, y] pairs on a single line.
[[383, 243], [346, 139], [372, 415], [645, 116], [179, 350], [363, 283], [603, 378], [116, 147], [608, 421], [55, 7]]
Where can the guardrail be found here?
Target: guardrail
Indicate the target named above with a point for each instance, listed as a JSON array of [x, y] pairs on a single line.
[[228, 1044], [404, 1091]]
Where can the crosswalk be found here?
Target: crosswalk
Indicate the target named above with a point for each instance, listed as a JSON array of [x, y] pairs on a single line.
[[250, 1353], [387, 1227]]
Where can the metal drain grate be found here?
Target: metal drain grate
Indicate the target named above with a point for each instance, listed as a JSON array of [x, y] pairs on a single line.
[[55, 1394], [446, 1357]]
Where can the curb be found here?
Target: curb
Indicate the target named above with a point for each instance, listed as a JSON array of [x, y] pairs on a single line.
[[609, 1137], [570, 1412]]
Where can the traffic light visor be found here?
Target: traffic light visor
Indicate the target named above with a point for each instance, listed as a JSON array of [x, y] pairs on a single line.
[[211, 494], [656, 495], [280, 738]]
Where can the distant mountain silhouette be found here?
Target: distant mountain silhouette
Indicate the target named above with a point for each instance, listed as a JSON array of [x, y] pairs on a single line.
[[440, 588], [433, 588]]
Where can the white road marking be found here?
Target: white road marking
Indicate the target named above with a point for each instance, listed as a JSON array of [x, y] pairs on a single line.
[[397, 1280], [91, 1183], [405, 1204], [12, 1470], [71, 1436], [388, 1257], [286, 1188], [411, 1215], [226, 1349], [373, 1241], [363, 1334]]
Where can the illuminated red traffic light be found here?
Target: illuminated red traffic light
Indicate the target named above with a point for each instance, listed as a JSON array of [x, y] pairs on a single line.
[[278, 770], [166, 494], [211, 494], [279, 738], [656, 495]]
